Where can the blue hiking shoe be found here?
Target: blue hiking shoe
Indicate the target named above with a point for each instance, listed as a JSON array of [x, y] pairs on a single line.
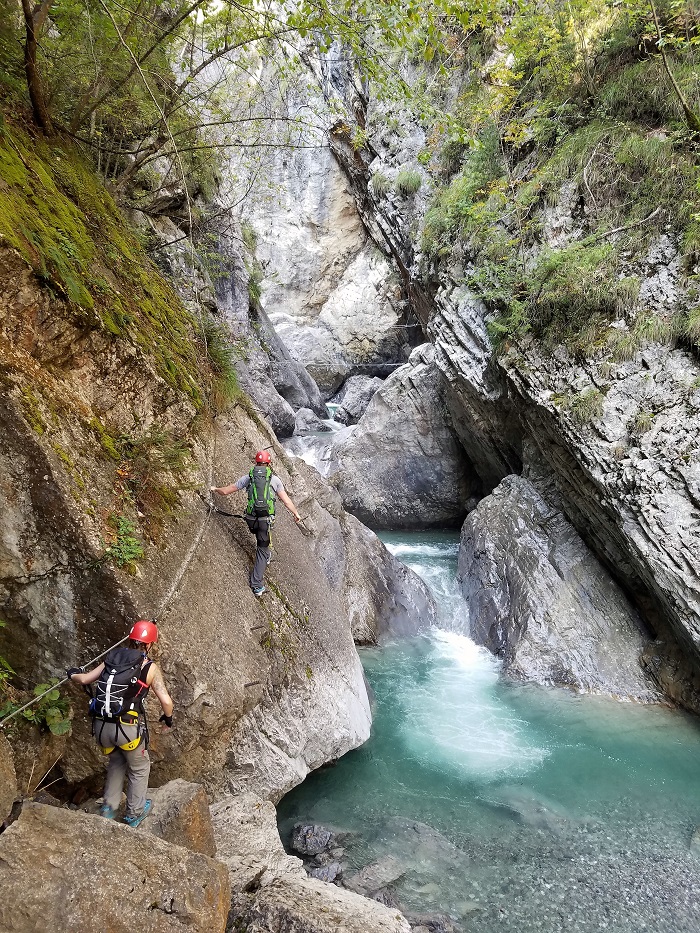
[[134, 821], [107, 812], [258, 590]]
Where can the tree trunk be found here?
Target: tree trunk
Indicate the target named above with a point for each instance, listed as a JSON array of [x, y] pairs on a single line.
[[34, 20], [691, 118]]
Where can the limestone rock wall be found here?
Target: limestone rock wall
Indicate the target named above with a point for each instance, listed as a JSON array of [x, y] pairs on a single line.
[[329, 292], [539, 598], [286, 663]]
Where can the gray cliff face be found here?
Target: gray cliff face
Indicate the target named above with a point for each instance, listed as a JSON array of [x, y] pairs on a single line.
[[264, 690], [354, 398], [277, 385], [329, 292], [618, 439], [539, 599]]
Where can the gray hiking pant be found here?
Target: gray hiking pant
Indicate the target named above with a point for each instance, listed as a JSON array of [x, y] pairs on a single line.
[[261, 528], [134, 765]]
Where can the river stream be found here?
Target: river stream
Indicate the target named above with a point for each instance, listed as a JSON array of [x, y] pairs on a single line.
[[509, 807]]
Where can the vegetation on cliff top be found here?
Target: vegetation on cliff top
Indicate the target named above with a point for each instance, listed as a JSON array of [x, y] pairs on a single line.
[[582, 118]]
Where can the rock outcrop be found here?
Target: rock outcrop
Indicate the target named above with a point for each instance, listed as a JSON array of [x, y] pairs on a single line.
[[306, 422], [354, 398], [181, 815], [98, 531], [539, 599], [63, 870], [616, 432], [270, 889], [402, 465]]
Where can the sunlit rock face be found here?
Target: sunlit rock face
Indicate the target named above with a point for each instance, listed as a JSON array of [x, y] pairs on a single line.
[[328, 290]]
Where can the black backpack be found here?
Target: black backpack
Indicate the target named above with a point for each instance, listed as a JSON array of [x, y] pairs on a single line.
[[121, 686], [261, 498]]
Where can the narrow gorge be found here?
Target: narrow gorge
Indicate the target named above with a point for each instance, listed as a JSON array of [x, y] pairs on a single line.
[[441, 264]]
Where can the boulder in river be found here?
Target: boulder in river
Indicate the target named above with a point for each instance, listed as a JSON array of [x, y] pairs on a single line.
[[376, 876], [309, 839], [542, 601], [402, 465], [271, 890], [307, 422], [355, 396], [296, 386]]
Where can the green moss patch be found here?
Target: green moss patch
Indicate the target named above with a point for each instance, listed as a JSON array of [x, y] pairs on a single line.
[[56, 213]]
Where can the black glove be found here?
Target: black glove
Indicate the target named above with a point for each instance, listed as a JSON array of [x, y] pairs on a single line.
[[168, 720], [73, 670]]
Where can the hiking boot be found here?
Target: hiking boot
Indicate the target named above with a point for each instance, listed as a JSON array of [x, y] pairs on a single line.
[[258, 590], [107, 812], [134, 821]]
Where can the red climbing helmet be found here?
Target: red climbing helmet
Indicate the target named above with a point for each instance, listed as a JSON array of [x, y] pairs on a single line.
[[144, 631], [263, 456]]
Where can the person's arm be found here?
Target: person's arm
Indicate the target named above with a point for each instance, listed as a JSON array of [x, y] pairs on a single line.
[[87, 677], [154, 679], [289, 504], [232, 487]]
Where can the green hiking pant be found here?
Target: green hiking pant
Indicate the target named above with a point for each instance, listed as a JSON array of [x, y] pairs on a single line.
[[133, 765]]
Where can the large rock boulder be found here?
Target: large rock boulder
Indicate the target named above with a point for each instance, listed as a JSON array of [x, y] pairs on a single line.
[[402, 465], [297, 387], [307, 422], [355, 396], [387, 598], [62, 870], [270, 889], [255, 380], [542, 601], [181, 816]]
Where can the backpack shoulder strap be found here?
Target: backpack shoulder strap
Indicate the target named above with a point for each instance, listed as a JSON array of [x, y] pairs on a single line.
[[143, 676]]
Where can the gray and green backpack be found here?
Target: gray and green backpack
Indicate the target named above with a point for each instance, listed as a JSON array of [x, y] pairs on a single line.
[[261, 498]]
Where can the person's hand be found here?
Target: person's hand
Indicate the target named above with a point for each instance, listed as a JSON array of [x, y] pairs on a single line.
[[167, 722], [73, 670], [213, 489]]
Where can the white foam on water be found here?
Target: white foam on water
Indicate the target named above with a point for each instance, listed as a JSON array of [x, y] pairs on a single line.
[[416, 551], [455, 717]]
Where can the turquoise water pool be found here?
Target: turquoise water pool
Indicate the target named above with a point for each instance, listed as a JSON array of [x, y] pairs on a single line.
[[511, 807]]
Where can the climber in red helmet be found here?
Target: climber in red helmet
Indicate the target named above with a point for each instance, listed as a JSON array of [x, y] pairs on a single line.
[[263, 486], [122, 683]]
